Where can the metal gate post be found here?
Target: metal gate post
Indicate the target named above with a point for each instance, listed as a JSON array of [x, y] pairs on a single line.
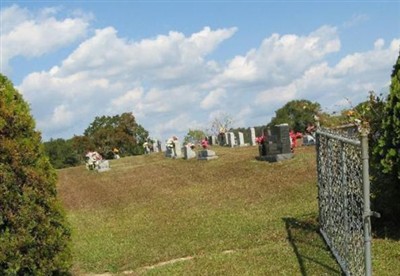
[[367, 208]]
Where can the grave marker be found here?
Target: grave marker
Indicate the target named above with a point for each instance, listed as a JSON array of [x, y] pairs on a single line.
[[253, 136], [206, 155], [188, 152], [241, 139]]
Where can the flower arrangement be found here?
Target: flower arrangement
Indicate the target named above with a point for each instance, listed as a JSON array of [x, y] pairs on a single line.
[[171, 142], [204, 143], [260, 140]]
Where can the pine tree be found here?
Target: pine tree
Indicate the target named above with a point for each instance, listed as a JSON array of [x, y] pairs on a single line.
[[34, 237]]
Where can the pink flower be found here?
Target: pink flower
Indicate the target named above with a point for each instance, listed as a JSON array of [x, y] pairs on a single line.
[[260, 140], [204, 143]]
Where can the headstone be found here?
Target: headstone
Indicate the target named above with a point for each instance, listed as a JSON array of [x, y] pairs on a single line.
[[215, 140], [241, 139], [103, 166], [155, 145], [253, 136], [221, 139], [169, 152], [159, 146], [178, 149], [209, 139], [188, 153], [173, 148], [308, 140], [277, 147], [212, 140], [206, 155], [231, 139], [226, 136]]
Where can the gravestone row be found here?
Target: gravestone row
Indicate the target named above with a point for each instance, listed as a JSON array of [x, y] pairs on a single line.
[[175, 151]]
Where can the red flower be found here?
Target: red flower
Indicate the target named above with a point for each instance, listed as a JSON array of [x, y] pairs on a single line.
[[204, 143], [260, 140]]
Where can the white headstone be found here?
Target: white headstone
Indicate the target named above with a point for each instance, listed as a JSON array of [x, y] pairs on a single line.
[[188, 153], [226, 138], [103, 166], [231, 140], [253, 136], [178, 149], [155, 145], [241, 139]]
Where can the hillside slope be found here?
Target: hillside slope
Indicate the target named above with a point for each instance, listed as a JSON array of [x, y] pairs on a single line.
[[230, 216]]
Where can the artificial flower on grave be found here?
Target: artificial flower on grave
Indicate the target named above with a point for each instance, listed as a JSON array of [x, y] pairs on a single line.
[[93, 159], [171, 142], [204, 143], [260, 140], [293, 138]]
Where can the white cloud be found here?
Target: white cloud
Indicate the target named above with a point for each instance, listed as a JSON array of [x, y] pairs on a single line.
[[107, 74], [355, 20], [213, 99], [35, 34], [280, 59], [165, 57], [171, 85]]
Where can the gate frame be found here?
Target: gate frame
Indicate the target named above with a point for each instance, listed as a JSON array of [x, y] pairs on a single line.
[[367, 213]]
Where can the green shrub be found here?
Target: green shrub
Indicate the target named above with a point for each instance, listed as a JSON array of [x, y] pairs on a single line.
[[386, 157], [34, 237]]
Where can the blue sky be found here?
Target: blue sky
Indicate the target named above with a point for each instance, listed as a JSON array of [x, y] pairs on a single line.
[[177, 65]]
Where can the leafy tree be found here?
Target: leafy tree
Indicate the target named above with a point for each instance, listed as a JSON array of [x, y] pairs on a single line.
[[82, 144], [387, 188], [194, 136], [34, 237], [297, 113], [120, 131], [61, 153]]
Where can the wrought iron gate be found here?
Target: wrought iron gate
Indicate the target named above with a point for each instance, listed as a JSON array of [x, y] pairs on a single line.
[[343, 199]]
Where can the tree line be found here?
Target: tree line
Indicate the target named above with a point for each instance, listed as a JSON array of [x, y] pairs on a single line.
[[105, 134]]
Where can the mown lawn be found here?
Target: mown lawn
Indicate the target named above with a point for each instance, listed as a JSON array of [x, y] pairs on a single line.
[[230, 216]]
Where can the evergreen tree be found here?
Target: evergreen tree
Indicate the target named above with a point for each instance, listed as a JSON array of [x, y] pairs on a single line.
[[387, 186], [34, 236], [389, 144]]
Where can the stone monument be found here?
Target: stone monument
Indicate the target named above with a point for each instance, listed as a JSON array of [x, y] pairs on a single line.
[[277, 145]]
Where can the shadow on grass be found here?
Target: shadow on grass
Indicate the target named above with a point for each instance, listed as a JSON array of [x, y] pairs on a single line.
[[311, 251]]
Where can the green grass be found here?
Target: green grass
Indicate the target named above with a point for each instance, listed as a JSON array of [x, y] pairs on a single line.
[[230, 216]]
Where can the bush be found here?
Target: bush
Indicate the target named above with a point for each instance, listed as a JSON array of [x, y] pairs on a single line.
[[386, 157], [34, 237]]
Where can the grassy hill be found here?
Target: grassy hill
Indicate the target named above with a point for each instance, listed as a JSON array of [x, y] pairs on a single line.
[[230, 216]]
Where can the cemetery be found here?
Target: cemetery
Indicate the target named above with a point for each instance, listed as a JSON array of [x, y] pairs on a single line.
[[233, 155], [213, 205]]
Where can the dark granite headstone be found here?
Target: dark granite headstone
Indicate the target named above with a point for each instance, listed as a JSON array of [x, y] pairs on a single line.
[[277, 146]]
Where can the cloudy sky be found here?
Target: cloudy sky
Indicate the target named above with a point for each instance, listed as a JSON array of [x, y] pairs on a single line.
[[177, 65]]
